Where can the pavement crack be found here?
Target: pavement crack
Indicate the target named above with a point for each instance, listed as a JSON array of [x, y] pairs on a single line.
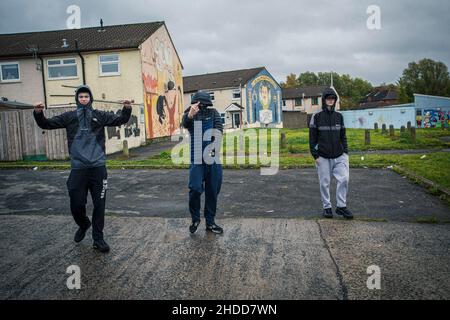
[[338, 271]]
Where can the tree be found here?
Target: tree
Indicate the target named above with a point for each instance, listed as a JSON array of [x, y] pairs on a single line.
[[350, 90], [426, 77], [307, 79], [291, 81]]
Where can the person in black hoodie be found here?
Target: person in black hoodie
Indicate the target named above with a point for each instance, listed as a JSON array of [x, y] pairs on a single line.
[[86, 141], [328, 146], [205, 173]]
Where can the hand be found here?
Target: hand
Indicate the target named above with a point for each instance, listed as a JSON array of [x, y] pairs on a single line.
[[317, 160], [127, 103], [193, 111], [38, 107]]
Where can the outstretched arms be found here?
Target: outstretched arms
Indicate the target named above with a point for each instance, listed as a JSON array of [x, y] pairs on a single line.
[[56, 122], [114, 120]]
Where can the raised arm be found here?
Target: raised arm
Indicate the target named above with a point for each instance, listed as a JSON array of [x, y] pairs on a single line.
[[56, 122], [188, 116], [114, 120]]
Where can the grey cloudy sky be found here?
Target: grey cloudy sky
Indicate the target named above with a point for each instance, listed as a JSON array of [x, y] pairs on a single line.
[[285, 35]]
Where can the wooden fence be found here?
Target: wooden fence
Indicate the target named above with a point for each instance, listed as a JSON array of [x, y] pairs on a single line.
[[22, 139]]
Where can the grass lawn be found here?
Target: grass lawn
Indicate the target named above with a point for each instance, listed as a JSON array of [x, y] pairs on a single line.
[[298, 140]]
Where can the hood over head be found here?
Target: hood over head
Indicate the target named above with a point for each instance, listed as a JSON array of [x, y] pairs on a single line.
[[203, 97], [80, 89], [328, 92]]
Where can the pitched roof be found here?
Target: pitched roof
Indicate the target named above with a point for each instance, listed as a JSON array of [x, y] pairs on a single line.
[[380, 94], [123, 36], [307, 91], [226, 79]]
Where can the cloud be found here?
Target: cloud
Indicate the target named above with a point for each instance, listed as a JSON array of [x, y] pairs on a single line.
[[285, 36]]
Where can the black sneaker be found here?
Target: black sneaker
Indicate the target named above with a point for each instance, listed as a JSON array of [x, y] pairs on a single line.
[[327, 213], [193, 227], [344, 212], [214, 228], [101, 245], [81, 233]]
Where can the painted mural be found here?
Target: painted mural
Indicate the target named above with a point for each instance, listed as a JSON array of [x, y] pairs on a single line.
[[432, 118], [163, 92], [263, 100]]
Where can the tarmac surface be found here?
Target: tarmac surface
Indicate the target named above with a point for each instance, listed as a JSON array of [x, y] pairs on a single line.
[[275, 245]]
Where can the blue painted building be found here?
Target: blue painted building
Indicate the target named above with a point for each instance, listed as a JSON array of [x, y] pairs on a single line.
[[263, 100], [425, 112], [244, 98]]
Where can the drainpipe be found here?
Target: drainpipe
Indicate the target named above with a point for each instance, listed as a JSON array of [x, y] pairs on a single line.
[[82, 62], [43, 81]]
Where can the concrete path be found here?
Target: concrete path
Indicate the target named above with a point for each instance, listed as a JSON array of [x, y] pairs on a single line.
[[274, 245], [262, 258]]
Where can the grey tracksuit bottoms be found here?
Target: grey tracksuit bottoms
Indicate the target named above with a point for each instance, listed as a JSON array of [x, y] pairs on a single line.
[[339, 168]]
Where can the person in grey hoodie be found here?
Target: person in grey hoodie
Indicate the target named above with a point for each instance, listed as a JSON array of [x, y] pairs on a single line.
[[328, 146], [86, 141]]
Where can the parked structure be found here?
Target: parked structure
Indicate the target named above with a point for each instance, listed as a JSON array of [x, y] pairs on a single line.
[[425, 112]]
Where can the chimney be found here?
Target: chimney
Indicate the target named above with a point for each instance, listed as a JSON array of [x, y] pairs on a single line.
[[65, 44]]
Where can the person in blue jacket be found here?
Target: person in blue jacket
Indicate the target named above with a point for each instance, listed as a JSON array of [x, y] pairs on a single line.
[[205, 173], [86, 141]]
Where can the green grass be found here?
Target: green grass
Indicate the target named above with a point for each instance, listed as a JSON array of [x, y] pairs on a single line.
[[297, 140]]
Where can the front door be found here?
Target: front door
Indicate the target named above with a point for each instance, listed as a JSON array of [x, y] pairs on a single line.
[[236, 120]]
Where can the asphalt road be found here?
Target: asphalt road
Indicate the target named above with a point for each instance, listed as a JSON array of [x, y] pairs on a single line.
[[274, 247], [373, 194]]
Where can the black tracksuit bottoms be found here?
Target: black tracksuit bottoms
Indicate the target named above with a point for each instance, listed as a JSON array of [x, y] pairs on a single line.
[[96, 181]]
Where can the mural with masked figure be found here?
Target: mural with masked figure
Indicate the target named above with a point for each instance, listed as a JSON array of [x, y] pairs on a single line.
[[263, 100], [163, 85]]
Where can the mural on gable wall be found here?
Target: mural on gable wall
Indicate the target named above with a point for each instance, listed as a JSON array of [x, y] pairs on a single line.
[[263, 99], [161, 74]]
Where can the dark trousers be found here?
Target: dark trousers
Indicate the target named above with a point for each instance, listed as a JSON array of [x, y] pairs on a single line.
[[79, 183], [208, 178]]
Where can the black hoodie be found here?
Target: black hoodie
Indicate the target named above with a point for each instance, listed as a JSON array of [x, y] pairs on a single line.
[[85, 130], [327, 136]]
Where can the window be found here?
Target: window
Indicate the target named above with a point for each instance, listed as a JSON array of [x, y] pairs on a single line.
[[315, 101], [298, 102], [211, 94], [62, 68], [222, 115], [9, 72], [236, 94], [109, 65]]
